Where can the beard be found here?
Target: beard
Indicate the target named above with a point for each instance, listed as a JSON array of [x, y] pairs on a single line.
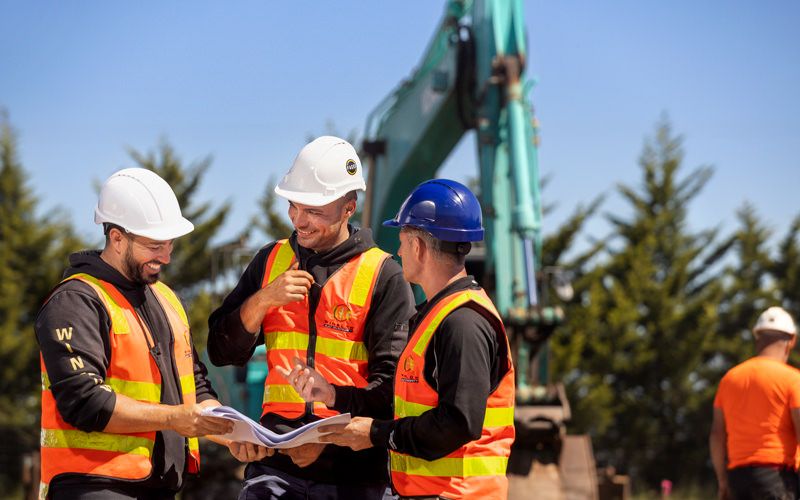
[[137, 272]]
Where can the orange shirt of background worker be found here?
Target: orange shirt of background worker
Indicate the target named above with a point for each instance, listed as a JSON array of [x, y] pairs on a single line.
[[755, 398]]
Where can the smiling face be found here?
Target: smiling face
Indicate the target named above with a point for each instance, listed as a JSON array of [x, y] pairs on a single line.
[[144, 258], [321, 228]]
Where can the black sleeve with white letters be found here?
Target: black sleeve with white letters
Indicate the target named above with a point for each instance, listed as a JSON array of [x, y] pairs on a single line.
[[72, 330]]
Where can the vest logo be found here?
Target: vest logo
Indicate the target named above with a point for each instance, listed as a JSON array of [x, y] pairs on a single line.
[[408, 375], [351, 167], [341, 319], [342, 313]]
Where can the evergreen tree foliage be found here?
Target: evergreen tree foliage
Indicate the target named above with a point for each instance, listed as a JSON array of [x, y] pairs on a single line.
[[648, 314], [33, 252], [270, 220], [748, 291]]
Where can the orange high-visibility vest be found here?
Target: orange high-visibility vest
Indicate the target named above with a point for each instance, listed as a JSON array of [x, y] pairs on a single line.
[[132, 371], [337, 346], [477, 469]]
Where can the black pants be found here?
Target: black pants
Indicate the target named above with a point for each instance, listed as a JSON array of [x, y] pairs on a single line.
[[100, 492], [763, 483]]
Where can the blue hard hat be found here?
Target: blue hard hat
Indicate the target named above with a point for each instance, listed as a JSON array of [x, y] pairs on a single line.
[[446, 209]]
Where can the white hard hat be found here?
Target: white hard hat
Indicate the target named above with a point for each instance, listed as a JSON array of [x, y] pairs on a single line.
[[775, 319], [142, 203], [326, 169]]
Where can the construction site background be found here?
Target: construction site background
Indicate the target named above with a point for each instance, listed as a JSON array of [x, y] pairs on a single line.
[[660, 310]]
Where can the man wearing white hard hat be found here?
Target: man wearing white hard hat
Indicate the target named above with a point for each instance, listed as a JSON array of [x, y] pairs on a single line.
[[756, 426], [122, 387], [328, 298]]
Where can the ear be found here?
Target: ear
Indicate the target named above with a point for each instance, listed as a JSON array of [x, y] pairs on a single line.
[[420, 249], [116, 240], [350, 207]]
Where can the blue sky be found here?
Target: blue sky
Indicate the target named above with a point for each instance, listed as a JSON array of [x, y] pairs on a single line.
[[248, 81]]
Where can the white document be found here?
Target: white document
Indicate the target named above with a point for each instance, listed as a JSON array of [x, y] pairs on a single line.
[[248, 430]]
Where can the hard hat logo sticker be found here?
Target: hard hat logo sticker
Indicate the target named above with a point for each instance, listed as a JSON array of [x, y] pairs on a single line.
[[351, 167]]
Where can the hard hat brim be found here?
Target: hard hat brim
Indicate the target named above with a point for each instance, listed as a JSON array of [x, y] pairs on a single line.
[[391, 223], [171, 232], [310, 199]]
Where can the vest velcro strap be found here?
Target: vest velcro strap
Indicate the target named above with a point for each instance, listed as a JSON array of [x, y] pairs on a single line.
[[362, 284], [118, 443], [141, 391], [450, 467]]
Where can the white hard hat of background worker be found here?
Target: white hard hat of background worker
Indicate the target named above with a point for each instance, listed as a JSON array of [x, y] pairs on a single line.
[[775, 319], [326, 169], [142, 203]]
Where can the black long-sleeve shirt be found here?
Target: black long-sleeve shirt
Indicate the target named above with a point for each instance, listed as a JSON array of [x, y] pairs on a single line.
[[385, 336], [81, 398], [464, 363]]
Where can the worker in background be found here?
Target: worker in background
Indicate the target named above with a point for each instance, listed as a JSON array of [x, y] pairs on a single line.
[[122, 387], [756, 425], [454, 386], [328, 296]]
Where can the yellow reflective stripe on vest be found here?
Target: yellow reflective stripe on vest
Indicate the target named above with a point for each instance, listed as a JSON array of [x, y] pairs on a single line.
[[403, 408], [194, 444], [119, 324], [343, 349], [282, 260], [278, 393], [118, 443], [363, 280], [282, 393], [422, 343], [450, 467], [498, 417], [43, 489], [494, 417], [187, 384], [286, 340], [334, 348], [142, 391], [173, 300], [45, 381]]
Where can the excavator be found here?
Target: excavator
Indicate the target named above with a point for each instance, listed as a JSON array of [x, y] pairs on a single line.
[[472, 77]]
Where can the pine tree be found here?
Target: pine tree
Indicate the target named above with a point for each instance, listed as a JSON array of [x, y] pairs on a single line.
[[649, 315], [747, 292], [33, 251]]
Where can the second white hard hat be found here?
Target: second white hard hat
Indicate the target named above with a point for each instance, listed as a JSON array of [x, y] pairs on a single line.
[[142, 203], [775, 319], [326, 169]]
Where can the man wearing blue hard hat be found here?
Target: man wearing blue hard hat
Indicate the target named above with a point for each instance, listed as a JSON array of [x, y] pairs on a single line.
[[454, 385]]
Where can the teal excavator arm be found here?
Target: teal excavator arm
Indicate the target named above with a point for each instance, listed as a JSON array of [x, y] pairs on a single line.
[[471, 77]]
